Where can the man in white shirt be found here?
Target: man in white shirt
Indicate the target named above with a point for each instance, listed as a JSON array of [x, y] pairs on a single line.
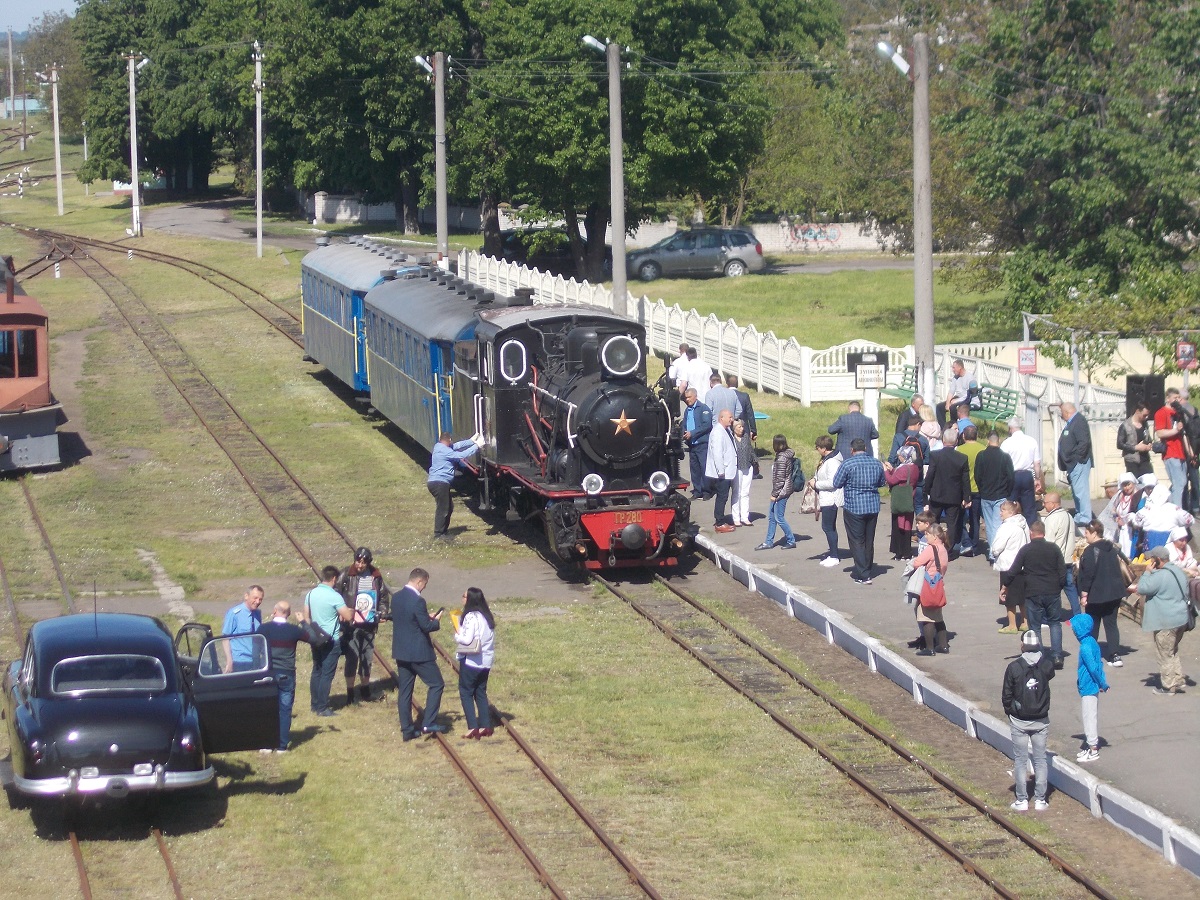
[[1060, 530], [677, 373], [958, 390], [697, 374], [721, 468], [1027, 467]]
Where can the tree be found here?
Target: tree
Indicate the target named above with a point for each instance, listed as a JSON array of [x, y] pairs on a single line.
[[1081, 131], [52, 42]]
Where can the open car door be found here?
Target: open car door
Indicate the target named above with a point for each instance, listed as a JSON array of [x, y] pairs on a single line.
[[233, 689]]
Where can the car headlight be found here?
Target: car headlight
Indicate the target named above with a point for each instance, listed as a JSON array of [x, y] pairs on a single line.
[[593, 484], [659, 482]]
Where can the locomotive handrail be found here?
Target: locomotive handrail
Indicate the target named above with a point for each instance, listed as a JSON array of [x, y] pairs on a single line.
[[571, 408], [670, 419]]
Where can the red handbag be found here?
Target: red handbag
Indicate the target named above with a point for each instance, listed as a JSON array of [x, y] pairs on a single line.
[[933, 587]]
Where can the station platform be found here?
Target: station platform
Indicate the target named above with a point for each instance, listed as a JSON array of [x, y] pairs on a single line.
[[1150, 744]]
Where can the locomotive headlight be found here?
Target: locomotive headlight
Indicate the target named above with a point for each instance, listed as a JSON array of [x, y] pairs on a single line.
[[659, 482], [621, 355], [593, 484]]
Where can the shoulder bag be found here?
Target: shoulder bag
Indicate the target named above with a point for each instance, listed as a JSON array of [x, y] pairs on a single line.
[[809, 502], [318, 636], [933, 588], [1187, 602], [467, 649], [902, 498]]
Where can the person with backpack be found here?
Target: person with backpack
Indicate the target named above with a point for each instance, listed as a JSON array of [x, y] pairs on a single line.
[[911, 437], [1025, 696], [783, 484], [1091, 683]]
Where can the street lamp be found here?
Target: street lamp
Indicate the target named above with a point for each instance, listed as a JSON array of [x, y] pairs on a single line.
[[134, 68], [612, 53], [258, 149], [922, 209], [438, 71]]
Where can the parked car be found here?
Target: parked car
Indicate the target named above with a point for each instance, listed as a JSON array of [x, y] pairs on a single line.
[[545, 249], [107, 704], [699, 251]]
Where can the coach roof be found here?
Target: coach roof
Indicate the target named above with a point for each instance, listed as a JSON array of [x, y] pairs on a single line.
[[355, 266], [429, 302]]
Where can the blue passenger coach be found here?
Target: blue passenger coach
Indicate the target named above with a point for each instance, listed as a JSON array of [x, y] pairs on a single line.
[[333, 284]]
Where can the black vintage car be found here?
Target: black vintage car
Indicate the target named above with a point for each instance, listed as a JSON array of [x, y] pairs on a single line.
[[109, 704]]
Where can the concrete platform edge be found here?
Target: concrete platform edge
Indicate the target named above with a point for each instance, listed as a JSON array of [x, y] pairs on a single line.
[[1179, 845]]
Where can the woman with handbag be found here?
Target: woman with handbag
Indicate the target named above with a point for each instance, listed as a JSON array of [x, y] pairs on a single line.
[[903, 479], [829, 498], [1102, 584], [781, 489], [476, 640], [931, 564]]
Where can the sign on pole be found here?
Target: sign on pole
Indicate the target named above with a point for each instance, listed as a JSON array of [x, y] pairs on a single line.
[[1185, 355], [1027, 360]]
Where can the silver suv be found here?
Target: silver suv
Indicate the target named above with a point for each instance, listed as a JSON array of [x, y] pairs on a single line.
[[699, 251]]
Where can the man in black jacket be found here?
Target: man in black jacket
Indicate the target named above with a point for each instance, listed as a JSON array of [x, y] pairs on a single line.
[[910, 413], [1026, 698], [948, 485], [412, 649], [994, 477], [1075, 458], [1133, 440], [361, 586], [1045, 571]]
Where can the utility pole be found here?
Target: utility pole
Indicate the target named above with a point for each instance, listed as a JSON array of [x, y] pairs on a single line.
[[87, 188], [12, 82], [922, 221], [616, 172], [136, 230], [24, 107], [57, 146], [439, 153], [258, 151]]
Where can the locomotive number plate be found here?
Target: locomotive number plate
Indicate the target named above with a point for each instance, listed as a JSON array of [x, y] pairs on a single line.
[[628, 518]]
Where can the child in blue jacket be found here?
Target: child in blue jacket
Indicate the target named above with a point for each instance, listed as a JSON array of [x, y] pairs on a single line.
[[1091, 683]]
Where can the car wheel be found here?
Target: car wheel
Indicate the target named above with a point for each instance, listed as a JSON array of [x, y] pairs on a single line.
[[648, 271], [735, 268]]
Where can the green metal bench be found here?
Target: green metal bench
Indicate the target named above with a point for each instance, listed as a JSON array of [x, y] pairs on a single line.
[[999, 404], [907, 386]]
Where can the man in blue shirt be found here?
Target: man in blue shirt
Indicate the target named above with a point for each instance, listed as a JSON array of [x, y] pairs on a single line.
[[447, 457], [860, 477], [244, 618], [697, 425]]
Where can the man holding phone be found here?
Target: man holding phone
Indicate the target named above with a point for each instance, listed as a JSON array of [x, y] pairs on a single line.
[[412, 649]]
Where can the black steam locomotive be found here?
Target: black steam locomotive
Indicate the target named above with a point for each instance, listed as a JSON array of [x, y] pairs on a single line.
[[575, 440]]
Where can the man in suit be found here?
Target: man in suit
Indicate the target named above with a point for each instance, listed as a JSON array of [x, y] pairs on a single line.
[[413, 651], [910, 413], [697, 424], [747, 416], [948, 485], [721, 468], [850, 425]]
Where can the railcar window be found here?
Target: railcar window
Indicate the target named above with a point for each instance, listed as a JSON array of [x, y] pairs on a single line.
[[8, 359], [108, 673], [27, 360]]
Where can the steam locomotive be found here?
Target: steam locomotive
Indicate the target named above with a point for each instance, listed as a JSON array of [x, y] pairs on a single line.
[[574, 439]]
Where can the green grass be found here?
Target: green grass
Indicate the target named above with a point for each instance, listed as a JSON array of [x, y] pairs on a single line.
[[824, 310]]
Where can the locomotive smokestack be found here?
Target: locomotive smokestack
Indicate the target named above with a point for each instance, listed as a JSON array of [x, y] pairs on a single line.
[[10, 280]]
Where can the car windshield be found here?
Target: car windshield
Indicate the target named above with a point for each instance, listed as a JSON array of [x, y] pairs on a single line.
[[108, 674]]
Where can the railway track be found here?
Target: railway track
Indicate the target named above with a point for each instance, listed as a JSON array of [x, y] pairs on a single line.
[[571, 834], [966, 828], [62, 246], [110, 871]]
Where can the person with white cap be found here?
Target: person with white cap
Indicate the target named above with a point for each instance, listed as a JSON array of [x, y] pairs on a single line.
[[1026, 458], [1117, 516], [1180, 552], [1026, 699], [1159, 516], [1165, 615]]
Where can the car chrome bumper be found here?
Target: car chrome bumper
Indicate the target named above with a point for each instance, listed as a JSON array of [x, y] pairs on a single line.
[[73, 784]]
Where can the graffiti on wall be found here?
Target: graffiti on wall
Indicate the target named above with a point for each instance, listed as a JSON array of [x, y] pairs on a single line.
[[809, 235]]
